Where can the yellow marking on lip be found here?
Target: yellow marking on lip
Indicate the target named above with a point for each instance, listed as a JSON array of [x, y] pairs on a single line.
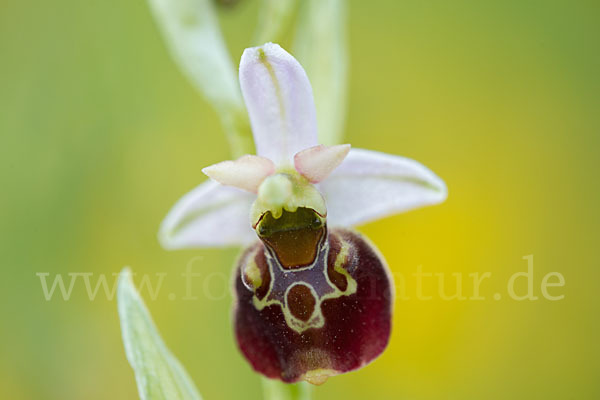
[[340, 260], [253, 274], [318, 376]]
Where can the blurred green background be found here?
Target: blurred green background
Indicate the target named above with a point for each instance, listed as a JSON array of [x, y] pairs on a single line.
[[101, 134]]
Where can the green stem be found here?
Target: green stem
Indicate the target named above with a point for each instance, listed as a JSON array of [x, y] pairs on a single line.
[[277, 390], [237, 129]]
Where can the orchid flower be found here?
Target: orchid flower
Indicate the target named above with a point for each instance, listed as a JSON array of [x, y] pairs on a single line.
[[313, 297]]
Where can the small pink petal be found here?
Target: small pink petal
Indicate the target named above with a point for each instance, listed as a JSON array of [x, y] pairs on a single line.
[[316, 163], [247, 172]]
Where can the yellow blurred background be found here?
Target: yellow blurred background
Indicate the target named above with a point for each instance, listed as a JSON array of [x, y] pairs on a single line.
[[101, 134]]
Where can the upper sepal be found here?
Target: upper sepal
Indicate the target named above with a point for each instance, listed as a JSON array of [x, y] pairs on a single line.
[[279, 101]]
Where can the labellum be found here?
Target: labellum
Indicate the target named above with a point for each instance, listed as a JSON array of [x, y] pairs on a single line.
[[310, 302]]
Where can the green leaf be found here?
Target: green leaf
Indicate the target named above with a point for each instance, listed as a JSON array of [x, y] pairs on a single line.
[[193, 35], [158, 374], [320, 46]]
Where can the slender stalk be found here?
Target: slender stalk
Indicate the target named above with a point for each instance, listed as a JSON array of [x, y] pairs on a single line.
[[277, 390], [237, 129], [273, 20], [321, 47], [193, 35]]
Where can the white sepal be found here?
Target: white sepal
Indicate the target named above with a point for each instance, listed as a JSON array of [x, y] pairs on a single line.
[[369, 185]]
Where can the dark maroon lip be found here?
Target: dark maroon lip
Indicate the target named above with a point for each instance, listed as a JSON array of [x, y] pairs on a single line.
[[330, 318]]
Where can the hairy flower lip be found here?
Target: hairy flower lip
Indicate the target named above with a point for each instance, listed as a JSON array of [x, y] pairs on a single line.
[[355, 323]]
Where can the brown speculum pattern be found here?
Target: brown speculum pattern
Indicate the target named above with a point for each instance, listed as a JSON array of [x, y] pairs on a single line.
[[311, 302]]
